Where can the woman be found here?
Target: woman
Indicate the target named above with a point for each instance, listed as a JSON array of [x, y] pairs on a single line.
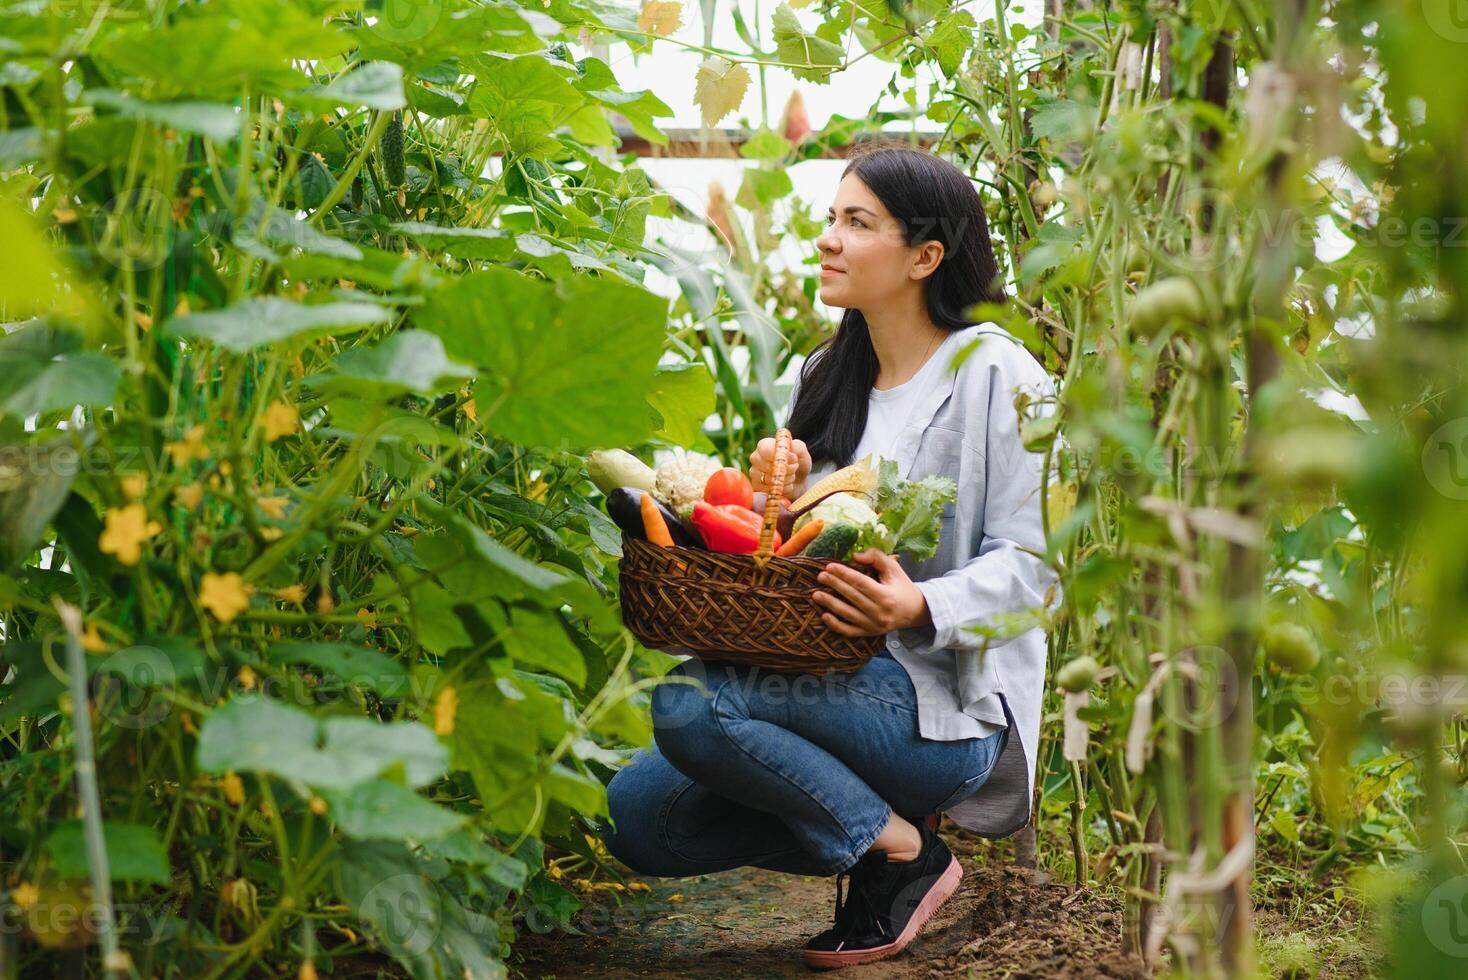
[[845, 774]]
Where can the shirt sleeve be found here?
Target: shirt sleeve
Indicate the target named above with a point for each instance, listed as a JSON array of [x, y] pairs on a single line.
[[1003, 577]]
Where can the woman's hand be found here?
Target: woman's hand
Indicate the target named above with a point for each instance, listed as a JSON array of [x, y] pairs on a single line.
[[762, 464], [862, 606]]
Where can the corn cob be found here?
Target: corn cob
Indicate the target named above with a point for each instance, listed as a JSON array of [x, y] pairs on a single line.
[[859, 478]]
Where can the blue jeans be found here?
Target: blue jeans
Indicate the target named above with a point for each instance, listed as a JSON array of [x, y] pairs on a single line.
[[785, 771]]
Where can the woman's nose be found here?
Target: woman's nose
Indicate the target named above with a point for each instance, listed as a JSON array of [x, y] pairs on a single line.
[[827, 242]]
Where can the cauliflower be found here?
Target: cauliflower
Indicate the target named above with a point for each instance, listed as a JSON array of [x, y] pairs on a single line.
[[679, 482]]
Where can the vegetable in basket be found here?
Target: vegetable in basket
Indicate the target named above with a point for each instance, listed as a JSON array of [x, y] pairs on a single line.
[[729, 528], [613, 468], [729, 486], [624, 504], [910, 513], [680, 482]]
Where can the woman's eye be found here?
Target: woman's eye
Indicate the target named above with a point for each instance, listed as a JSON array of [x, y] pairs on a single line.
[[858, 222]]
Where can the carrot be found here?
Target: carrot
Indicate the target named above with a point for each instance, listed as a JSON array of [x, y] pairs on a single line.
[[653, 524], [801, 538]]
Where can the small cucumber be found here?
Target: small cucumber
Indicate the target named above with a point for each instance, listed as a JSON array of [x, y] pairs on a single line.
[[833, 542], [391, 146]]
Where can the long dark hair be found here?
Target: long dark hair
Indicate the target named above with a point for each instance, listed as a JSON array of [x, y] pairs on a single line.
[[933, 201]]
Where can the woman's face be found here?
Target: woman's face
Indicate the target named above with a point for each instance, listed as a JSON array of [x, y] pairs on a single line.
[[865, 259]]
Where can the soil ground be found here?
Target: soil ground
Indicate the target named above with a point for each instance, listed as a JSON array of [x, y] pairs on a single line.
[[1004, 923]]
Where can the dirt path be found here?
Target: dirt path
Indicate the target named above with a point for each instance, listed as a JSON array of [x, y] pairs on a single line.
[[1004, 922]]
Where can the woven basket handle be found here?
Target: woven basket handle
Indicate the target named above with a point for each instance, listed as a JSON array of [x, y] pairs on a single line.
[[772, 498]]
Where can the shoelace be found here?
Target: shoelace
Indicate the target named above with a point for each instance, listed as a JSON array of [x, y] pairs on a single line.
[[855, 912]]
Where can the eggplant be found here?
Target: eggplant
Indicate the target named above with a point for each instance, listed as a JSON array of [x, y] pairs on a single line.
[[624, 504], [785, 523]]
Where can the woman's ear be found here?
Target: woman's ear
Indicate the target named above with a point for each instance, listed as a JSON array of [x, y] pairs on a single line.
[[927, 256]]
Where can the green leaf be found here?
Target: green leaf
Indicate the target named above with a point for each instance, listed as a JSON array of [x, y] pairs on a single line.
[[134, 852], [375, 85], [537, 638], [422, 924], [33, 279], [410, 361], [582, 793], [211, 119], [258, 735], [353, 665], [684, 396], [1060, 120], [467, 846], [256, 322], [493, 244], [564, 365], [795, 46], [765, 144], [762, 188], [525, 99], [34, 481], [42, 370], [384, 810], [363, 748]]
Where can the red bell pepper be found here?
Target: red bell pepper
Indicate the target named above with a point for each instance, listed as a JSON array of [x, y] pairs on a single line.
[[729, 528]]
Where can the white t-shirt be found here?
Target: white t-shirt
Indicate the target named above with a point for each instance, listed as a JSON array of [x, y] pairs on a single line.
[[888, 411]]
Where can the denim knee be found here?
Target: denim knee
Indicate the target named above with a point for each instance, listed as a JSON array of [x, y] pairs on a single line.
[[683, 722], [635, 839]]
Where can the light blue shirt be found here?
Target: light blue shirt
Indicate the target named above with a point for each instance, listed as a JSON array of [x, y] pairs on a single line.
[[965, 427]]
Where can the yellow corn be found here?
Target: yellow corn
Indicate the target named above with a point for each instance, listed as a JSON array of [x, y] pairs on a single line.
[[859, 478]]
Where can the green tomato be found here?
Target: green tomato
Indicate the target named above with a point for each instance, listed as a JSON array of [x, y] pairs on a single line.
[[1162, 302], [1078, 675], [1290, 647]]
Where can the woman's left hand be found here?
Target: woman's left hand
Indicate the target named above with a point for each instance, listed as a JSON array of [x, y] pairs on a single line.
[[863, 606]]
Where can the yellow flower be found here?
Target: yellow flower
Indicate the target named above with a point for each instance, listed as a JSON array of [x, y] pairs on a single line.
[[134, 485], [294, 594], [279, 420], [639, 886], [675, 898], [246, 677], [26, 894], [125, 531], [318, 806], [190, 447], [189, 495], [307, 970], [367, 618], [92, 641], [226, 596], [271, 533], [445, 707], [325, 604], [273, 506], [234, 788]]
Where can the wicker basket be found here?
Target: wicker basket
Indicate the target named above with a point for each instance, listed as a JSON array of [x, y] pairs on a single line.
[[746, 609]]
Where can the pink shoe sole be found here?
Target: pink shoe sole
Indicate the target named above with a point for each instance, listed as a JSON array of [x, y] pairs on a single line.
[[946, 885]]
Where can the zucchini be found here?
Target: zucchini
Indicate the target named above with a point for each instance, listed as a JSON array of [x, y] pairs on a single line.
[[834, 542]]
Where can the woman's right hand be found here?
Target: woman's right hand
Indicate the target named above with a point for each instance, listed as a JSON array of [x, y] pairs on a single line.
[[762, 464]]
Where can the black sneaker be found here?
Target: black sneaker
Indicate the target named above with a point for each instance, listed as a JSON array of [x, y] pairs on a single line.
[[886, 904]]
